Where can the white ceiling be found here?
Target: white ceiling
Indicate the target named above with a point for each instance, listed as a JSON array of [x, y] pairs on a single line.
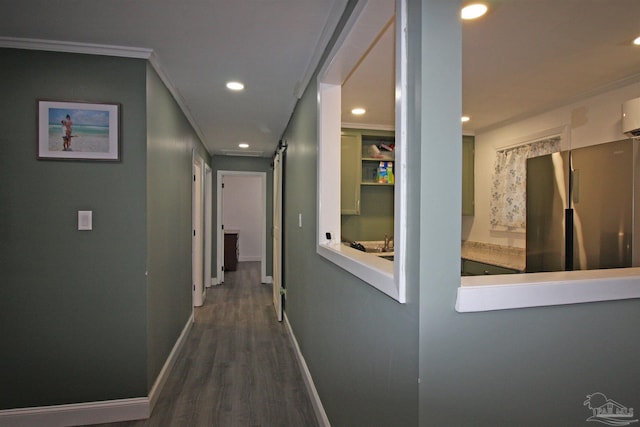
[[199, 45], [525, 56]]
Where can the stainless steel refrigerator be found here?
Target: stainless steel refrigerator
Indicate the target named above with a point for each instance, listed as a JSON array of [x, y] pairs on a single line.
[[580, 208]]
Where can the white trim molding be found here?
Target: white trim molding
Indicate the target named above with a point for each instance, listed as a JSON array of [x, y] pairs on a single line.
[[363, 25], [220, 232], [335, 13], [154, 394], [321, 415], [77, 414], [109, 411], [107, 50], [74, 47], [250, 258], [509, 291]]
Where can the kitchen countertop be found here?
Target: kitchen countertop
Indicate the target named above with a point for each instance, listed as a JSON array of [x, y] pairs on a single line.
[[375, 247], [502, 256]]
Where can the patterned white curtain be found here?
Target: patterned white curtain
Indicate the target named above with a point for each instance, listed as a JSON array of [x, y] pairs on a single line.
[[509, 186]]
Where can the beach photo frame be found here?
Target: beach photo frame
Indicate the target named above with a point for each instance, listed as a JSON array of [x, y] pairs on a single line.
[[78, 130]]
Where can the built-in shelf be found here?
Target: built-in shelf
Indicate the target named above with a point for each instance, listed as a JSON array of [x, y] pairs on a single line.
[[383, 184], [359, 168]]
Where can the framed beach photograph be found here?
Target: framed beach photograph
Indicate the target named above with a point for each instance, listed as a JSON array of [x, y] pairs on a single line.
[[78, 131]]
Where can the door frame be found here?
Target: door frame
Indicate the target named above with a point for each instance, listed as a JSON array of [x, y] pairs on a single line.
[[263, 219], [208, 225], [278, 294], [198, 236]]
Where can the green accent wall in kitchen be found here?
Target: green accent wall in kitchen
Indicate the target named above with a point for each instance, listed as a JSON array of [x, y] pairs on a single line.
[[376, 215]]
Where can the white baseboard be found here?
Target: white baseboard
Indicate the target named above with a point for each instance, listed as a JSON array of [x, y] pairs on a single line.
[[212, 282], [168, 364], [77, 413], [109, 411], [246, 258], [321, 415], [268, 280]]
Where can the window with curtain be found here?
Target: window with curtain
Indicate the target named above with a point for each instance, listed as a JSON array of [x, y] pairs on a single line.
[[509, 186]]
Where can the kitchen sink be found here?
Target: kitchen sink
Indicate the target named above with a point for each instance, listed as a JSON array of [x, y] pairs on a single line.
[[373, 248]]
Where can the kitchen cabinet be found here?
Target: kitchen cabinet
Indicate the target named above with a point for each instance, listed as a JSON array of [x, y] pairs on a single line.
[[230, 251], [358, 167], [468, 153], [350, 173]]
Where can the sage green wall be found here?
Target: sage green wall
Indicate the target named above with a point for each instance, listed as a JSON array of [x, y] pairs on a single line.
[[72, 303], [524, 367], [244, 164], [170, 142], [361, 346]]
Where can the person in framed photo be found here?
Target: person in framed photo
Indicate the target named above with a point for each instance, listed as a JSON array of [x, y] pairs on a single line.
[[64, 136], [67, 125]]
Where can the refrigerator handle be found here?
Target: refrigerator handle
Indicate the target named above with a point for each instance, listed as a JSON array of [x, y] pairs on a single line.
[[575, 186], [568, 239]]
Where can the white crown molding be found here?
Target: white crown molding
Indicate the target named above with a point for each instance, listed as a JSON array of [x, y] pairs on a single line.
[[107, 50], [73, 47], [369, 126], [337, 9], [616, 84], [155, 63]]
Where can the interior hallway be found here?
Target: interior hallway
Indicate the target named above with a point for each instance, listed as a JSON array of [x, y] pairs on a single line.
[[237, 367]]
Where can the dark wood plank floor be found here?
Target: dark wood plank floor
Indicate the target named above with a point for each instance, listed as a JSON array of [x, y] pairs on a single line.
[[237, 367]]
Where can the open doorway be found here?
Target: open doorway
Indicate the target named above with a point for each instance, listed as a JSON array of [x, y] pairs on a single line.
[[242, 213]]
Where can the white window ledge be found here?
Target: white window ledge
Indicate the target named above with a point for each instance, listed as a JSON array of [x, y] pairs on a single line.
[[376, 271], [508, 291]]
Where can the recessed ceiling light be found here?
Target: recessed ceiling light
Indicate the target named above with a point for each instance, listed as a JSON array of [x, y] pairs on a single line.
[[473, 11], [464, 119], [243, 145], [235, 86], [637, 41], [358, 111]]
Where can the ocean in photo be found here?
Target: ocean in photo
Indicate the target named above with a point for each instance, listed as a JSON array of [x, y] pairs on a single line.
[[85, 139]]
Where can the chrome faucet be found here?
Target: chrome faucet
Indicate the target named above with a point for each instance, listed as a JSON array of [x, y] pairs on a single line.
[[386, 247]]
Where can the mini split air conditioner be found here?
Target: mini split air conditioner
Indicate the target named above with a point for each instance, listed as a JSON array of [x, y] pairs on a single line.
[[631, 117]]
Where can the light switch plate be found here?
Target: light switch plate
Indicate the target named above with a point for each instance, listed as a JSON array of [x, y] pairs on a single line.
[[85, 220]]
